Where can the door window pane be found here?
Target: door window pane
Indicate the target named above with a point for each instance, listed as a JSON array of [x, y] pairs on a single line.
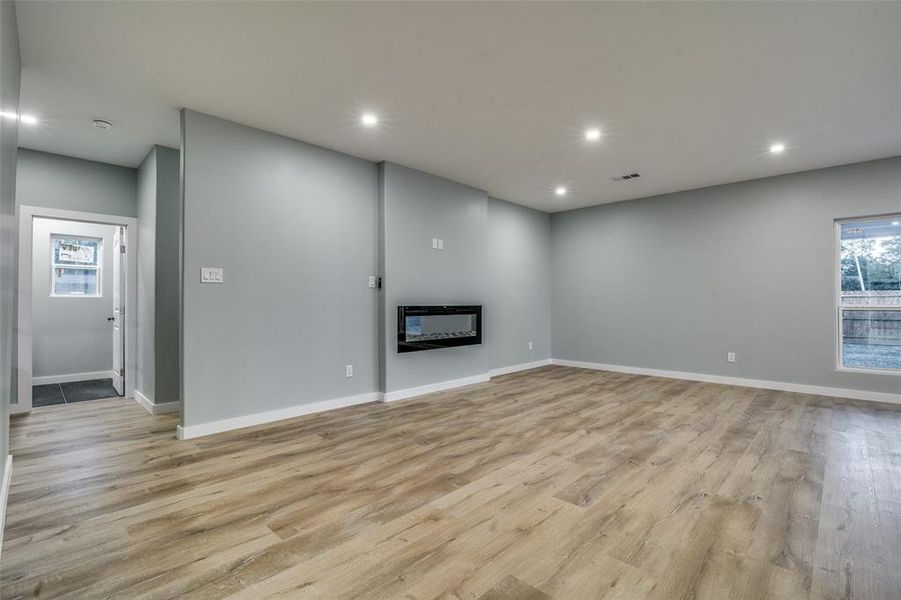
[[76, 268], [75, 282]]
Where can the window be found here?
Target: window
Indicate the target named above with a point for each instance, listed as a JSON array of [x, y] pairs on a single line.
[[76, 266], [869, 294]]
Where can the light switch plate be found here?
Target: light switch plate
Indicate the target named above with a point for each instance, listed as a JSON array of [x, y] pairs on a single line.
[[372, 281], [440, 244], [211, 275], [435, 243]]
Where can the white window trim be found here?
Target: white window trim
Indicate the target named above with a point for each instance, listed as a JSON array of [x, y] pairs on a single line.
[[98, 267], [837, 298]]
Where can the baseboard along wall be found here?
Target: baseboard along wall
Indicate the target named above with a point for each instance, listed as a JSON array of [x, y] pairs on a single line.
[[193, 431], [520, 367], [780, 386], [431, 388], [156, 408], [315, 407], [70, 377]]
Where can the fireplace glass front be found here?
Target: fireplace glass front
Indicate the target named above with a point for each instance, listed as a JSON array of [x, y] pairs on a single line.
[[430, 327]]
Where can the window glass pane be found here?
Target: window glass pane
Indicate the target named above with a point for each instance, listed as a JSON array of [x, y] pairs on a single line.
[[68, 281], [75, 251], [871, 260], [871, 339], [870, 270]]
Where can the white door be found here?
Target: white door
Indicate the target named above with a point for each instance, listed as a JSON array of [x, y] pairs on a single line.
[[119, 310]]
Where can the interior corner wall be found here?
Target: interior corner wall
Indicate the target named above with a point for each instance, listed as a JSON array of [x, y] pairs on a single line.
[[294, 228], [55, 181], [519, 272], [167, 274], [10, 69], [417, 207], [674, 282], [145, 315], [159, 222]]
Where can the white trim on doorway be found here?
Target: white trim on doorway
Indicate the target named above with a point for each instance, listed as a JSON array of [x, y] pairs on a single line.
[[27, 215]]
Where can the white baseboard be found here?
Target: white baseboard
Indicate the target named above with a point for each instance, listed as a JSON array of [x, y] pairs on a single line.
[[4, 495], [434, 387], [193, 431], [156, 408], [520, 367], [799, 388], [71, 377]]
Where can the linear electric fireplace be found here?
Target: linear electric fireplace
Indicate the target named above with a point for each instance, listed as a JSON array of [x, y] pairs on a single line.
[[431, 327]]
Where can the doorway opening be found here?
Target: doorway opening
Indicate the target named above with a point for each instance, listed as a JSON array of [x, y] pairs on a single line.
[[76, 284]]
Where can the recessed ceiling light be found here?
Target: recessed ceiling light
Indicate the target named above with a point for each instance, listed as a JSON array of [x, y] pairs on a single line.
[[896, 223], [777, 148], [593, 134], [369, 119], [560, 191], [102, 124]]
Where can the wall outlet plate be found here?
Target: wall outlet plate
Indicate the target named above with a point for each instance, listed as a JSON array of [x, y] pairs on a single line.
[[730, 357], [435, 243], [530, 346], [348, 370], [440, 244], [211, 275]]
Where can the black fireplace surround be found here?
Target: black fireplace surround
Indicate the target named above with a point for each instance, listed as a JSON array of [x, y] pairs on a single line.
[[430, 327]]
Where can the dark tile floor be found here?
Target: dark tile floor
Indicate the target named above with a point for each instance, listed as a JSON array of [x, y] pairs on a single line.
[[74, 391]]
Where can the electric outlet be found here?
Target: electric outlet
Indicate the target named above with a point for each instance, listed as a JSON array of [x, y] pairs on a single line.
[[530, 345], [730, 357], [440, 244], [211, 275], [348, 370], [434, 243]]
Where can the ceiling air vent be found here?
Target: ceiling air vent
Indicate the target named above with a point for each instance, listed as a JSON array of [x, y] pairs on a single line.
[[625, 177]]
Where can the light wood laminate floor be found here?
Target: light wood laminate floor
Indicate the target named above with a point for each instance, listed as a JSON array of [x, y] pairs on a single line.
[[554, 483]]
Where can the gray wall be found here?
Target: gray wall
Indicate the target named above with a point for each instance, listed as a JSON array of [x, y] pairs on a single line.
[[145, 358], [9, 102], [519, 275], [55, 181], [676, 281], [416, 208], [168, 274], [159, 214], [71, 335], [294, 227]]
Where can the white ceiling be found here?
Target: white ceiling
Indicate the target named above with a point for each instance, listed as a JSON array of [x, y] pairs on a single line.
[[495, 95]]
